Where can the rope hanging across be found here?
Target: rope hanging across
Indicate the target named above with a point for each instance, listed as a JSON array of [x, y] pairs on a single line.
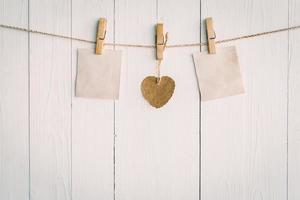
[[150, 46]]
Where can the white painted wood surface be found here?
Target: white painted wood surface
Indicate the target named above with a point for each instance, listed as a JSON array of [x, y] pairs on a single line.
[[14, 93], [14, 154], [244, 138], [92, 120], [293, 104], [54, 145], [250, 134], [14, 12], [50, 101], [50, 118], [156, 159]]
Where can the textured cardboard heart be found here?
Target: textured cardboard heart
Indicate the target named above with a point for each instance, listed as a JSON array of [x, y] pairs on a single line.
[[157, 93]]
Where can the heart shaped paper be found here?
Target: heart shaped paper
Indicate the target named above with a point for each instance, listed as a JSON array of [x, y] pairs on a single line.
[[157, 93]]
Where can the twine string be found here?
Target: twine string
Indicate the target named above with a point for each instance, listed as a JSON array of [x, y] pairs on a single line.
[[150, 46]]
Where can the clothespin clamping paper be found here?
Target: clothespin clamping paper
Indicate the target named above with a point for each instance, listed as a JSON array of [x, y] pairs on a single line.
[[218, 73], [211, 35], [100, 35], [98, 74]]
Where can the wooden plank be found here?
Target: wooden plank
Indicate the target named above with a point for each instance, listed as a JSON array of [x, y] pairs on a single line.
[[92, 148], [181, 19], [51, 16], [156, 149], [129, 26], [243, 152], [244, 17], [131, 163], [50, 118], [294, 106], [92, 119], [85, 15], [14, 154], [50, 101], [14, 109], [181, 135], [14, 13], [244, 137]]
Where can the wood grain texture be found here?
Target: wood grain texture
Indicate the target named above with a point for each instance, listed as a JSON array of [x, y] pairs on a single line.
[[85, 15], [51, 16], [249, 143], [131, 157], [50, 101], [50, 122], [14, 154], [14, 12], [156, 159], [92, 120], [181, 19], [14, 114], [234, 18], [294, 106], [135, 22], [244, 137], [92, 143]]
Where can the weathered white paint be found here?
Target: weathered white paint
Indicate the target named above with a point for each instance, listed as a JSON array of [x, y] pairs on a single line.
[[52, 16], [243, 148], [244, 137], [293, 103], [157, 159], [92, 120], [249, 143], [235, 18], [14, 124], [50, 118], [134, 125], [14, 12], [50, 101], [85, 15], [14, 155]]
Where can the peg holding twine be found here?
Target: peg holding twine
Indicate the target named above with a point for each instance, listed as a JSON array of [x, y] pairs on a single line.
[[161, 42], [101, 35]]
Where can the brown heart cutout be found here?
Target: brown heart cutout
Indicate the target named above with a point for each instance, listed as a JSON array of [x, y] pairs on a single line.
[[157, 93]]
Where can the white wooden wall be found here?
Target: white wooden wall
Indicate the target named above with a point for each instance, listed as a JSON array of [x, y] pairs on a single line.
[[54, 146]]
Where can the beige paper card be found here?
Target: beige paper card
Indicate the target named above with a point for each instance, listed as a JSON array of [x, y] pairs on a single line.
[[98, 76], [218, 74]]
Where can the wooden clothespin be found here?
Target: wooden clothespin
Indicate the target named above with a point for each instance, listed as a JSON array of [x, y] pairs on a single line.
[[210, 36], [100, 35], [160, 41]]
